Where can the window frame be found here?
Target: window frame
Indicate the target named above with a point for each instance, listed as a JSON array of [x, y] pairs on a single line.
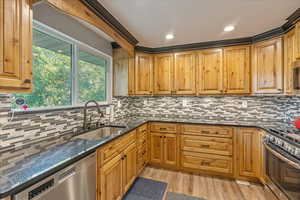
[[76, 45]]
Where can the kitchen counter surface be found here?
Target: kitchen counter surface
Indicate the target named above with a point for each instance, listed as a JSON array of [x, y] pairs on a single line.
[[24, 166]]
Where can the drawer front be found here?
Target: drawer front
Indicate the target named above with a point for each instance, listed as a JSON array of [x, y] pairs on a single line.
[[142, 140], [213, 145], [216, 131], [207, 162], [107, 152], [126, 140], [163, 127], [142, 150], [142, 130]]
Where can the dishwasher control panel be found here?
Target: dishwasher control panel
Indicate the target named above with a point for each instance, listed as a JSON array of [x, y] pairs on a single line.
[[39, 190]]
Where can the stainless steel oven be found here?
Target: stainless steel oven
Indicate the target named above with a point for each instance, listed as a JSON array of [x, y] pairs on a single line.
[[283, 170]]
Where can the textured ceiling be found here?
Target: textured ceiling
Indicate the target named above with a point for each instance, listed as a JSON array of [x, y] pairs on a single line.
[[193, 21]]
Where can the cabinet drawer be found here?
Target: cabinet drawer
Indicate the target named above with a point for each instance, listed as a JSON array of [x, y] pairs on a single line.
[[142, 140], [207, 162], [142, 130], [217, 131], [163, 127], [107, 152], [126, 140], [213, 145]]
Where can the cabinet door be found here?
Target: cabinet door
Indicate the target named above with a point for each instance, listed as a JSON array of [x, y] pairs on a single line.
[[131, 89], [237, 70], [210, 72], [129, 166], [15, 45], [185, 73], [111, 180], [156, 148], [248, 152], [163, 73], [143, 74], [268, 67], [297, 35], [289, 58], [170, 149]]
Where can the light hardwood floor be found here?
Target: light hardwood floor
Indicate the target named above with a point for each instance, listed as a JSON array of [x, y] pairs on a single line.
[[208, 187]]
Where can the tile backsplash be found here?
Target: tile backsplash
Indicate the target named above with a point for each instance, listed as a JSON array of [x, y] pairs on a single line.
[[29, 127]]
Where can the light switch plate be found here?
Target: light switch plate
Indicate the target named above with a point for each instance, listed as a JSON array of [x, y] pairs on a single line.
[[184, 102]]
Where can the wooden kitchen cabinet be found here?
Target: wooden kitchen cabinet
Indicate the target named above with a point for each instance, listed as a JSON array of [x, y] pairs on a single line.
[[163, 73], [129, 166], [185, 73], [163, 149], [143, 74], [237, 70], [15, 46], [297, 40], [210, 72], [289, 58], [111, 185], [267, 67], [248, 151]]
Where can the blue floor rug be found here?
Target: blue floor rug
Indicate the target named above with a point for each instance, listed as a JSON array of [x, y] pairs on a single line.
[[146, 189]]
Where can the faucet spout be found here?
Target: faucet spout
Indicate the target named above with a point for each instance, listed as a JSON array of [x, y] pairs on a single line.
[[85, 112]]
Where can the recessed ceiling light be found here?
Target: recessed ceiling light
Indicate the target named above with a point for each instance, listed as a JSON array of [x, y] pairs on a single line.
[[169, 36], [229, 28]]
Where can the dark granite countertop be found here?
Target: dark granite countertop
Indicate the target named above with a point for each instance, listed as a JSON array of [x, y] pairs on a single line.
[[24, 166]]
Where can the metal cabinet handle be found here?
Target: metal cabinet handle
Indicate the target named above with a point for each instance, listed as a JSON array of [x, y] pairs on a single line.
[[205, 132], [162, 129], [204, 163], [27, 81], [204, 145]]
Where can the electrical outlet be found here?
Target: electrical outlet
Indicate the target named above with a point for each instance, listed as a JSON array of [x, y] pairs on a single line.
[[184, 102], [107, 111], [119, 104], [244, 104]]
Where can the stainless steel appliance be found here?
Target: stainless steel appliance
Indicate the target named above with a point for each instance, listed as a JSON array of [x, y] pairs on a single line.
[[283, 171], [76, 182]]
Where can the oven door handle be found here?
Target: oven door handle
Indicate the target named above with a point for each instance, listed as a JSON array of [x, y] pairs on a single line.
[[281, 157]]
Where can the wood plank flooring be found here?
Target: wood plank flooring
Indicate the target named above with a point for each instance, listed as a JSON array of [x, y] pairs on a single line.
[[208, 187]]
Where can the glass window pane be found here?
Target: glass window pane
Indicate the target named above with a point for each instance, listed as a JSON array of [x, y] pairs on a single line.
[[52, 63], [91, 77]]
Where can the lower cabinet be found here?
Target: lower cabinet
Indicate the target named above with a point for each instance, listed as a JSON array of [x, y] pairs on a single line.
[[163, 149], [248, 152], [129, 166]]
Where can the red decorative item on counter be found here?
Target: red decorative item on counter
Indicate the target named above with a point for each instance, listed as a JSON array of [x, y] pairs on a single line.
[[297, 122]]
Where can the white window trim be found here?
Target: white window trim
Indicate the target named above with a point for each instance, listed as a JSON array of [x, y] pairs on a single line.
[[76, 44]]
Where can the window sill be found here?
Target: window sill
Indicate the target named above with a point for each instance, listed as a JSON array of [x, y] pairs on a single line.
[[54, 109]]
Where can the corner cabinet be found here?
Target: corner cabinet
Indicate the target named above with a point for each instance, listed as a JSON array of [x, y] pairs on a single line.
[[15, 46], [143, 71], [268, 67], [185, 73]]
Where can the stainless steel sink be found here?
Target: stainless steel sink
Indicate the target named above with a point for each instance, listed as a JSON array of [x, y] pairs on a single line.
[[101, 133]]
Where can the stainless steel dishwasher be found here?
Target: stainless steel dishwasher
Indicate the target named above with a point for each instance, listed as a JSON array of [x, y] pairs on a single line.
[[75, 182]]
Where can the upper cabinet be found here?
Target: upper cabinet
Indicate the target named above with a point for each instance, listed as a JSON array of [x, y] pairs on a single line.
[[289, 58], [297, 35], [163, 73], [210, 72], [185, 73], [237, 70], [143, 71], [15, 46], [268, 67]]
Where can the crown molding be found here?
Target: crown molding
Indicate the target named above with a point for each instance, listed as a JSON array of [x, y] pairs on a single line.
[[105, 15]]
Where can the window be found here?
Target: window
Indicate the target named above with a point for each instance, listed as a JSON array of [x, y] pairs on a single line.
[[66, 72]]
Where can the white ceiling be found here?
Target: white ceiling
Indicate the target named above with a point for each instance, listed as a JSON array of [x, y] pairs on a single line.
[[193, 21]]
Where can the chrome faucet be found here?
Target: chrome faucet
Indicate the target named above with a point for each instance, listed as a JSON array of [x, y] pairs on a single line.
[[85, 124]]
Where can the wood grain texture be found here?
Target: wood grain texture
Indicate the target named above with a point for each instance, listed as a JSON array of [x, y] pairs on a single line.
[[297, 35], [237, 70], [16, 44], [267, 67], [77, 9], [185, 73], [143, 74], [207, 187], [289, 58], [129, 166], [163, 73], [210, 72]]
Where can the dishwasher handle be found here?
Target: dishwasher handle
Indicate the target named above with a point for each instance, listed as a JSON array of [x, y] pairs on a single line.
[[66, 175]]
